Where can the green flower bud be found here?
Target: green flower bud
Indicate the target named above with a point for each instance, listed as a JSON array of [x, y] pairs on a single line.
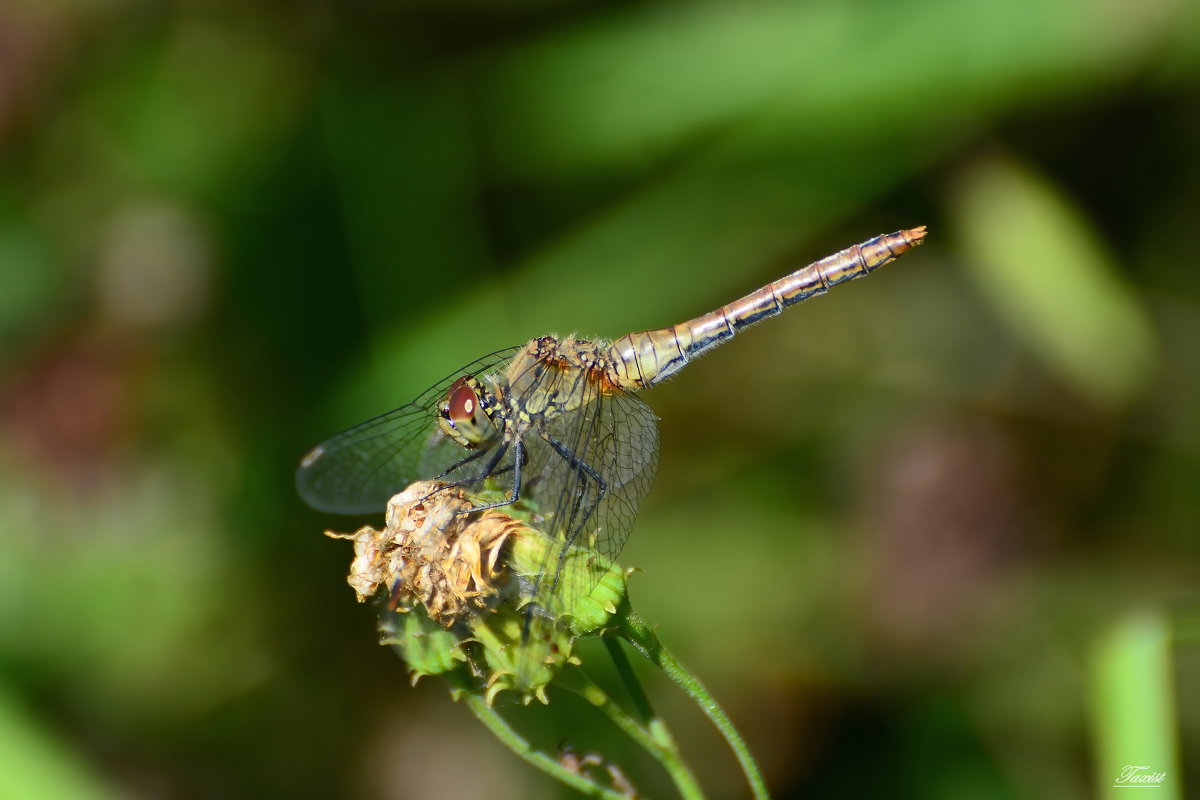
[[520, 656], [425, 646], [589, 590]]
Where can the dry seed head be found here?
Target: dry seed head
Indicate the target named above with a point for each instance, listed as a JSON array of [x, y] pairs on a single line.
[[432, 553]]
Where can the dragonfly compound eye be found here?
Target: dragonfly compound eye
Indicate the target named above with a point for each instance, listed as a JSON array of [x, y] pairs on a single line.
[[462, 403], [465, 416]]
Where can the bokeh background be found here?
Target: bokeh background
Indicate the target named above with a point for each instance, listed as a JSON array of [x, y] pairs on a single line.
[[934, 535]]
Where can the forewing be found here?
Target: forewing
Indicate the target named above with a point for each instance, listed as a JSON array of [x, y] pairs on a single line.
[[358, 470]]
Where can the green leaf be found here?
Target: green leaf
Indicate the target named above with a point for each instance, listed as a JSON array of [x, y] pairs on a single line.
[[1047, 275], [1133, 702]]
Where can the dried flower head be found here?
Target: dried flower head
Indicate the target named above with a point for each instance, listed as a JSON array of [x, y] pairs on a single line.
[[432, 553], [459, 587]]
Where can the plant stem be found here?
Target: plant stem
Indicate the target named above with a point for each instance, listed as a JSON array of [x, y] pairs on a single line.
[[637, 633], [632, 685], [662, 748], [526, 752], [650, 718]]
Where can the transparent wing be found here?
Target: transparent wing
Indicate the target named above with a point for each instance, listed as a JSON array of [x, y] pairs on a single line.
[[356, 471], [590, 469]]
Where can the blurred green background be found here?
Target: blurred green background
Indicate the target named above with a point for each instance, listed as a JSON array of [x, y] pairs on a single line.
[[932, 536]]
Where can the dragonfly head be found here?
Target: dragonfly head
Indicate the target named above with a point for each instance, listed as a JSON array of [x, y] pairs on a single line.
[[466, 414]]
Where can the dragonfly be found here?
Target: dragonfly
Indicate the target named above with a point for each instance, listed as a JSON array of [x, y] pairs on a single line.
[[556, 421]]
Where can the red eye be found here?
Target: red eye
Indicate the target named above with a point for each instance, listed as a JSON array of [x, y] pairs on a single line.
[[462, 402]]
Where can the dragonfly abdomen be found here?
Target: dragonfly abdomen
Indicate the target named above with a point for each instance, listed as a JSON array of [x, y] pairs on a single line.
[[640, 360]]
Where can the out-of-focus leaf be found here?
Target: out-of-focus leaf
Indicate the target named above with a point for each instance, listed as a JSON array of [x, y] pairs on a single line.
[[36, 764], [1047, 275], [1133, 701], [650, 77]]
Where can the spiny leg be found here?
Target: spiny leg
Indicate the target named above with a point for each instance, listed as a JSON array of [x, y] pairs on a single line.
[[490, 469], [518, 461], [475, 454], [462, 462], [583, 468]]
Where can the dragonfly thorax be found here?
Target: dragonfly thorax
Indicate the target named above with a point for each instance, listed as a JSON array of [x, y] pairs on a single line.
[[467, 414]]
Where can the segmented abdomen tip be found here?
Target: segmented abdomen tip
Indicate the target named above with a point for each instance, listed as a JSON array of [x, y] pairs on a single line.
[[915, 236]]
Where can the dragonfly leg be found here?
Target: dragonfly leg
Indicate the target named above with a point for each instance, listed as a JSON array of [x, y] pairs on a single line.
[[518, 461], [533, 609], [582, 467], [524, 457], [495, 456], [462, 462]]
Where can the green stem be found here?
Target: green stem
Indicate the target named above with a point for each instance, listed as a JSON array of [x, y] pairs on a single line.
[[632, 685], [634, 630], [663, 749], [650, 719], [525, 751]]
